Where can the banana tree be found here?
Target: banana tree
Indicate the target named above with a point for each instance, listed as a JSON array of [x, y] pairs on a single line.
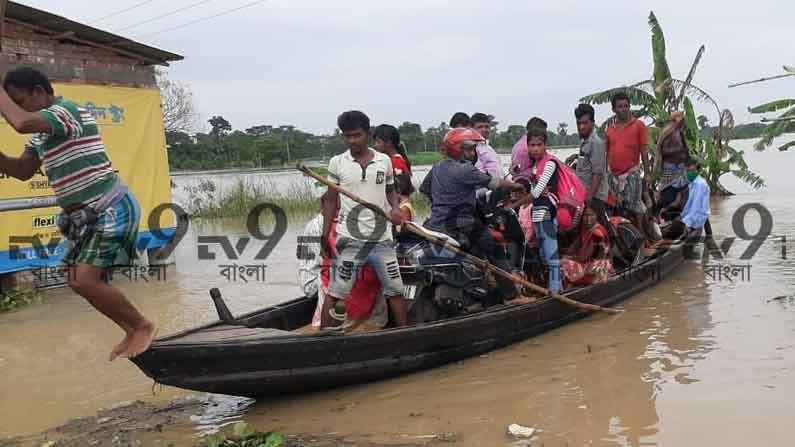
[[663, 94], [784, 123], [656, 98], [716, 156]]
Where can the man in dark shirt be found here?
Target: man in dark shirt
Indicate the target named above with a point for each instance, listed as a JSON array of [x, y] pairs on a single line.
[[592, 163], [451, 186]]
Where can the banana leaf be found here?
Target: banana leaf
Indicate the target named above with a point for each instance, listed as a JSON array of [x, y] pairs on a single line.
[[775, 130], [749, 177], [690, 128], [691, 90], [787, 146], [690, 75], [727, 119], [661, 71], [736, 157], [773, 106], [636, 96]]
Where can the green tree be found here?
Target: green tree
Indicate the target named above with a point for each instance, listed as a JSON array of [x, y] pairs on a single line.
[[702, 121], [411, 135], [563, 129], [269, 149], [506, 139], [259, 130], [658, 97], [220, 127], [434, 137]]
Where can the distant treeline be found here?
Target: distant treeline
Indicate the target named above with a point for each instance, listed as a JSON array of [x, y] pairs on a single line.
[[270, 146], [741, 131]]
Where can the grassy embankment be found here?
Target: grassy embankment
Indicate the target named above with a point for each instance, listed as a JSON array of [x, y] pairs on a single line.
[[297, 201]]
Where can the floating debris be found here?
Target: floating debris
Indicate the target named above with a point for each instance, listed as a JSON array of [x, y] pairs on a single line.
[[521, 432]]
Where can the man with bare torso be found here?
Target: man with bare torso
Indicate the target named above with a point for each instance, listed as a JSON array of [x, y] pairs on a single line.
[[672, 154]]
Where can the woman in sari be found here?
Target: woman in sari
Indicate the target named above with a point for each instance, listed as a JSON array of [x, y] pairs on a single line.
[[588, 259]]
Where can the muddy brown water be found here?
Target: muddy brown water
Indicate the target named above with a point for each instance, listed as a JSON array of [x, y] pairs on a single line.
[[693, 361]]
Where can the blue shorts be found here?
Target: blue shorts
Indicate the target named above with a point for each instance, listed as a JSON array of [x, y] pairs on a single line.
[[111, 241], [353, 255]]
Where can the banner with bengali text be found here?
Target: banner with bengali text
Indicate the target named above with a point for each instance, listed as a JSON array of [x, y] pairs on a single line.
[[131, 124]]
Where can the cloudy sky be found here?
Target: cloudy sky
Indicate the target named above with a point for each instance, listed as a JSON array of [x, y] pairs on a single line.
[[301, 62]]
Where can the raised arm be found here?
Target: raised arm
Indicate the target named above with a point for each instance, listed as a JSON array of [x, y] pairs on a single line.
[[665, 134], [644, 154], [22, 168], [21, 120]]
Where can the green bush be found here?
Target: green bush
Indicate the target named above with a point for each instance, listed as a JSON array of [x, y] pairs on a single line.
[[208, 202], [244, 436], [14, 299], [424, 158]]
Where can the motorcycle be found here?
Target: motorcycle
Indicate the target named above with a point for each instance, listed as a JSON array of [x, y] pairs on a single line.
[[440, 284]]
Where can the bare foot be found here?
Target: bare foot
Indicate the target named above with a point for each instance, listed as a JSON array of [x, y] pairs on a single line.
[[521, 300], [141, 340], [121, 347]]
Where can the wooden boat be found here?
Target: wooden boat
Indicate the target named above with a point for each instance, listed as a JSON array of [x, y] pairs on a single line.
[[261, 354]]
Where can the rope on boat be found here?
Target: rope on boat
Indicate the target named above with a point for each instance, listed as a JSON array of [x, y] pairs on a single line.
[[482, 263]]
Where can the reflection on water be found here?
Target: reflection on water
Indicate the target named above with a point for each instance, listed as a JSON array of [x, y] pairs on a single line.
[[694, 361]]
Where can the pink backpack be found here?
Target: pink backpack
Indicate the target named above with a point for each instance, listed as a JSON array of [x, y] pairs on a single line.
[[570, 194]]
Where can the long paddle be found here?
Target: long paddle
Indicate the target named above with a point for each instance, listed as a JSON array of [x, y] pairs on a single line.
[[469, 258]]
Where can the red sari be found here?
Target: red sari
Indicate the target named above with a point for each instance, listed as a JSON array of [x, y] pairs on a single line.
[[591, 263]]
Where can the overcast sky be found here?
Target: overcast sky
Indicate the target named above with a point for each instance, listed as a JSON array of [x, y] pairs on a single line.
[[301, 62]]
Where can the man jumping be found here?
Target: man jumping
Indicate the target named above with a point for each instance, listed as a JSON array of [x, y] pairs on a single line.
[[100, 214]]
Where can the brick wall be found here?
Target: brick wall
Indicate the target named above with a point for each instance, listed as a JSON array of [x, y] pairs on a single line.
[[65, 61]]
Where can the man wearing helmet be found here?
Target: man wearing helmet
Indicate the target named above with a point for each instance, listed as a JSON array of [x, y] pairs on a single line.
[[450, 186]]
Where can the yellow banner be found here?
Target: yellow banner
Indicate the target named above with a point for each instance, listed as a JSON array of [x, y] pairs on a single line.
[[131, 124]]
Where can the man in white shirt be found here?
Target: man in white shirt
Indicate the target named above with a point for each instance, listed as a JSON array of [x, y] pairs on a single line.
[[364, 238]]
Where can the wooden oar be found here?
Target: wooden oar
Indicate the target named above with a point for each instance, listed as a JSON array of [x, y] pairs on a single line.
[[469, 258]]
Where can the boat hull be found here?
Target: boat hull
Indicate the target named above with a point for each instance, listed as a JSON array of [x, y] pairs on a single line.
[[292, 363]]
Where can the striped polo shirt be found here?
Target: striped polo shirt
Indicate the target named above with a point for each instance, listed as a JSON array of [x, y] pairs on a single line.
[[73, 155], [370, 183]]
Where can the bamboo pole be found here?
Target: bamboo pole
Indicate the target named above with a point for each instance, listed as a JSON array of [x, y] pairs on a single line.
[[769, 78], [468, 257]]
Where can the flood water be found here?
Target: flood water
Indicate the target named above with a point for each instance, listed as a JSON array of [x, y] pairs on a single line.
[[694, 361]]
